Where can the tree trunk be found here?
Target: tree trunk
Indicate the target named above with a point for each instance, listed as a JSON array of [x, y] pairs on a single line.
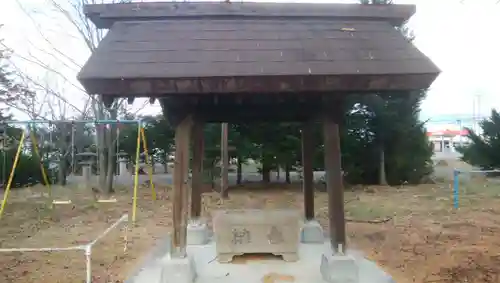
[[101, 144], [39, 146], [63, 155], [166, 162], [110, 172], [79, 146], [213, 173], [224, 160], [111, 160], [266, 172], [152, 163], [382, 173], [211, 177], [102, 158], [287, 174], [239, 171], [33, 131], [62, 168]]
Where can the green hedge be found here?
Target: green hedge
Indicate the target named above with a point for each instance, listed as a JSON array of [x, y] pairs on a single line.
[[27, 171]]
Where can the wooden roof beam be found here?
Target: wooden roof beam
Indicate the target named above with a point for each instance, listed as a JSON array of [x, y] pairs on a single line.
[[105, 15]]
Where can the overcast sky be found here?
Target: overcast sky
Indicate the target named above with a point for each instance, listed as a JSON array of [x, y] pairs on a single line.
[[463, 39]]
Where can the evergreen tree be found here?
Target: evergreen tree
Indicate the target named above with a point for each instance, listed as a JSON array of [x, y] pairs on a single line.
[[28, 170], [484, 150], [397, 131]]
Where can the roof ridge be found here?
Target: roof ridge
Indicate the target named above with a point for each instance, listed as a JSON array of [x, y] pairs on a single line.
[[104, 15]]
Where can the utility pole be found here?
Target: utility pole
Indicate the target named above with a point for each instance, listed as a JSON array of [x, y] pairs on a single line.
[[476, 112], [224, 160], [460, 141], [478, 117]]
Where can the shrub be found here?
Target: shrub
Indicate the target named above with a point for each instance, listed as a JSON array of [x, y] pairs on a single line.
[[27, 171]]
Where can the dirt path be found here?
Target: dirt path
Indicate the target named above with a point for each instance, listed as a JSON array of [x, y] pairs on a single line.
[[426, 240]]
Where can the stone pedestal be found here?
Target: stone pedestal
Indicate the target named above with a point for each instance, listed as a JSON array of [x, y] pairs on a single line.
[[312, 233], [197, 232], [123, 167], [86, 176], [240, 232], [86, 173]]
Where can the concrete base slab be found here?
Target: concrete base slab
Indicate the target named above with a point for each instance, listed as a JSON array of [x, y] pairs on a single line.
[[177, 270], [197, 232], [150, 271], [312, 233], [306, 270]]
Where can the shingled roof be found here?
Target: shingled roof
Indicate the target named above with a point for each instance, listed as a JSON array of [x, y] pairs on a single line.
[[156, 49]]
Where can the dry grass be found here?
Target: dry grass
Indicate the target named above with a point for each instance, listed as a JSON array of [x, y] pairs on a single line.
[[442, 163], [426, 240], [29, 223]]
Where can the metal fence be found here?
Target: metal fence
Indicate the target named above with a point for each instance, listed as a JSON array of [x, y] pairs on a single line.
[[471, 185]]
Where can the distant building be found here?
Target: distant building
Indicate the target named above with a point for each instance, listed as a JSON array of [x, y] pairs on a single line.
[[447, 139], [447, 132]]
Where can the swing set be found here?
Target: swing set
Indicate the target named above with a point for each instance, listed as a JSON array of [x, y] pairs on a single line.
[[29, 131]]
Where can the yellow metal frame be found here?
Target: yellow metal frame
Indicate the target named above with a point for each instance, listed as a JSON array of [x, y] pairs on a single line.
[[141, 137], [150, 171], [12, 171], [42, 168], [14, 166], [136, 175], [16, 161]]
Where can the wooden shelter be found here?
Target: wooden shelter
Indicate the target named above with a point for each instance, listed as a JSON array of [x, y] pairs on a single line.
[[246, 62]]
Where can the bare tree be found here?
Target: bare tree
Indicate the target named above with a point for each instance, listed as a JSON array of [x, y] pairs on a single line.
[[69, 13]]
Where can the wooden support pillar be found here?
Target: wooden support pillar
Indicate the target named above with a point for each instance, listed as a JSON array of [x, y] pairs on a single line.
[[197, 177], [224, 160], [307, 169], [334, 182], [180, 191]]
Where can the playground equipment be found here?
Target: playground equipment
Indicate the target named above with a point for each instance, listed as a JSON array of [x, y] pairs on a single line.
[[29, 127]]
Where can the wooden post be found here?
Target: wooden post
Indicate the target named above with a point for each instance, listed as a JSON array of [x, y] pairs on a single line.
[[334, 182], [224, 160], [180, 180], [197, 179], [307, 169]]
